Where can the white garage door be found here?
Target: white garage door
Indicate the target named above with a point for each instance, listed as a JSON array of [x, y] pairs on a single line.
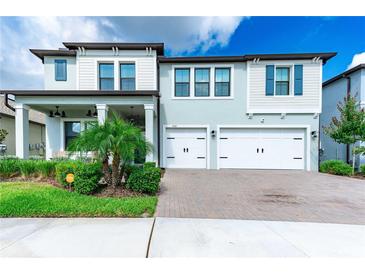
[[261, 148], [185, 148]]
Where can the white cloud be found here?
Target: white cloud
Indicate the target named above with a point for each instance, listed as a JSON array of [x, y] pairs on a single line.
[[181, 35], [357, 60]]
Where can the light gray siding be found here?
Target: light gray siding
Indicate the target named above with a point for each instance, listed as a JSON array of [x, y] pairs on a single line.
[[215, 112], [332, 95], [146, 68], [49, 74], [310, 101]]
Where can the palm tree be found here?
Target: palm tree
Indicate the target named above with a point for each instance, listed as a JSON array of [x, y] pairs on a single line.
[[115, 138]]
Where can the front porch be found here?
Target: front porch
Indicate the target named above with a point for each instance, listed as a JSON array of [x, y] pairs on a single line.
[[67, 116]]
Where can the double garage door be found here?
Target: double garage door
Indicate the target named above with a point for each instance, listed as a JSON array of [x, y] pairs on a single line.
[[261, 148], [249, 148]]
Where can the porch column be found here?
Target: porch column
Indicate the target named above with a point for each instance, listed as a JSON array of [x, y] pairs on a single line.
[[148, 114], [22, 131], [102, 112]]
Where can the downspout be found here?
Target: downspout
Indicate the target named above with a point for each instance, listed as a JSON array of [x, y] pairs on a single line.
[[348, 93], [158, 114], [6, 103]]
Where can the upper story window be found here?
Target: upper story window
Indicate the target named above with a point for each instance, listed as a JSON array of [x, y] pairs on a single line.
[[182, 82], [106, 76], [127, 77], [60, 70], [282, 81], [202, 82], [222, 82]]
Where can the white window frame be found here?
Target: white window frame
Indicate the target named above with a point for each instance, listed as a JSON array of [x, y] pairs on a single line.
[[291, 82], [212, 68], [121, 62], [116, 61]]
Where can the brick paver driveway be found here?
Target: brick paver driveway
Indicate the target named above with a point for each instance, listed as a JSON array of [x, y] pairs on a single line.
[[262, 195]]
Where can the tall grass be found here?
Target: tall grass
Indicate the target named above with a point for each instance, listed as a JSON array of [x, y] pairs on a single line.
[[9, 168], [26, 168]]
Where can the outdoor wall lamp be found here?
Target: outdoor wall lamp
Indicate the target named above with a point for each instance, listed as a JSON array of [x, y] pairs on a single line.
[[212, 133], [314, 134]]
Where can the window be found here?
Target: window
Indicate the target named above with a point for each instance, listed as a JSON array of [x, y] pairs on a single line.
[[106, 76], [182, 82], [202, 81], [282, 81], [127, 77], [222, 82], [72, 130], [60, 70]]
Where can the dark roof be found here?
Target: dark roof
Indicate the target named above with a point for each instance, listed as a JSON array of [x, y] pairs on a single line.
[[201, 59], [80, 92], [159, 47], [243, 58], [40, 53], [344, 74], [325, 56]]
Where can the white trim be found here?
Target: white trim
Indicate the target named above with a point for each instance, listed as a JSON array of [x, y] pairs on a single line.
[[149, 106], [306, 127], [283, 110], [165, 127], [21, 106], [212, 68], [102, 107], [320, 84], [291, 80]]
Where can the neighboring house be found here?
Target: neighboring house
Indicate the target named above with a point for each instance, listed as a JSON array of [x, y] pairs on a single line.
[[36, 130], [335, 90], [251, 111]]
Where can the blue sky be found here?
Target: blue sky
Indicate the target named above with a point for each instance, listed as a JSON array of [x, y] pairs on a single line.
[[182, 36]]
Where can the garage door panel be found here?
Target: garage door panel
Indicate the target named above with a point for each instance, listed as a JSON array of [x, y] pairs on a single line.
[[186, 148], [277, 148], [235, 150]]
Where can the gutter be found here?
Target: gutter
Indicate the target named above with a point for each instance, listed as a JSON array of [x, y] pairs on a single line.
[[6, 103], [158, 115]]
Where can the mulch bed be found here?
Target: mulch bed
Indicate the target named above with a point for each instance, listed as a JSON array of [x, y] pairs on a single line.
[[103, 191]]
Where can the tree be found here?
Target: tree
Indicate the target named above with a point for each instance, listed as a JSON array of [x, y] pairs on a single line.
[[3, 134], [116, 139], [350, 127]]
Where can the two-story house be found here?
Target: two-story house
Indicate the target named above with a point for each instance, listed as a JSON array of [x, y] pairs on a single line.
[[350, 82], [250, 111]]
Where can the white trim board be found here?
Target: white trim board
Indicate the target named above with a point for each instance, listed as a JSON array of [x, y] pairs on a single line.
[[305, 127], [166, 126]]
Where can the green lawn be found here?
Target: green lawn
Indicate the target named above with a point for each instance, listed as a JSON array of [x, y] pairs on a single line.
[[41, 200]]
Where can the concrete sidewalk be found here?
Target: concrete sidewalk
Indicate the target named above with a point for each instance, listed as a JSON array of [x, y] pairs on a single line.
[[174, 237]]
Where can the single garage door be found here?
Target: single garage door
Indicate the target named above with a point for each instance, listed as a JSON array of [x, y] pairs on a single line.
[[185, 148], [261, 148]]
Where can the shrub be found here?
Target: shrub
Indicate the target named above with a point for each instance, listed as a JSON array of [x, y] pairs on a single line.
[[129, 169], [87, 175], [149, 164], [336, 167], [362, 169], [9, 167], [46, 168], [27, 167], [145, 180]]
